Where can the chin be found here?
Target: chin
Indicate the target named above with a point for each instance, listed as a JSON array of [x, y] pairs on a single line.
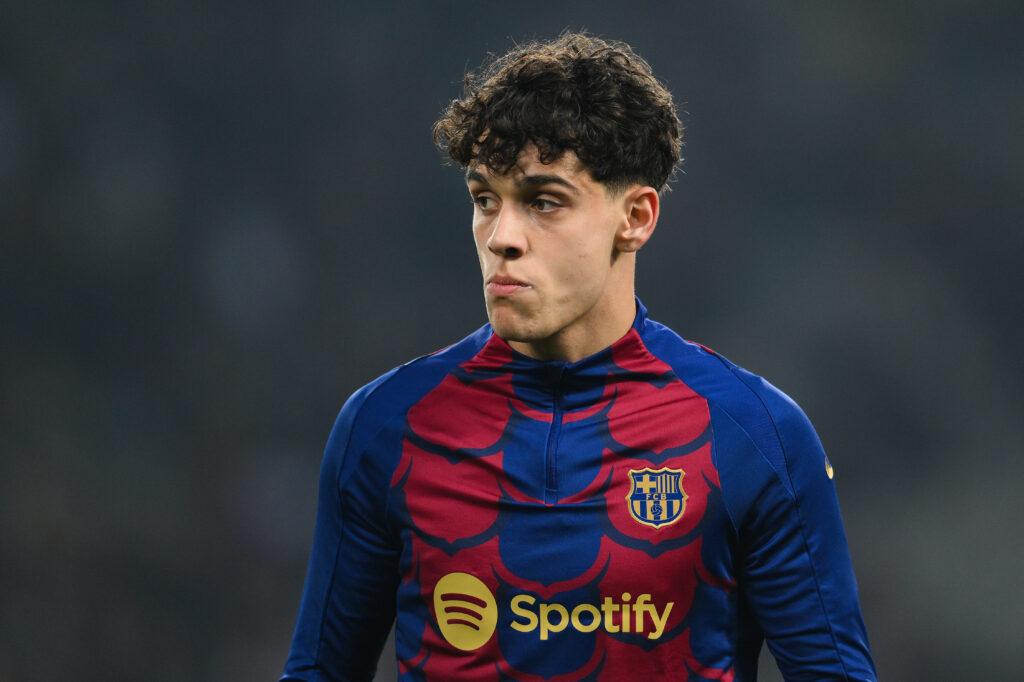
[[510, 326], [511, 332]]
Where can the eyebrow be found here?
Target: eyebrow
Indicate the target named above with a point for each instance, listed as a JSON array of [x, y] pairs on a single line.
[[525, 180]]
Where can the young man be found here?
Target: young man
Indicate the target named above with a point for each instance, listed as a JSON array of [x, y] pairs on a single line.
[[573, 491]]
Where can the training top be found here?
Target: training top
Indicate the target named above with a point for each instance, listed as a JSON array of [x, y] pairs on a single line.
[[652, 512]]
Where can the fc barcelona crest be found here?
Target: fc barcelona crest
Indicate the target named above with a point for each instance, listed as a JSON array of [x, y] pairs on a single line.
[[657, 498]]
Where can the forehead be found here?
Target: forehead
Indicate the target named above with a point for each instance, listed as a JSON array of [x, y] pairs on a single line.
[[567, 168]]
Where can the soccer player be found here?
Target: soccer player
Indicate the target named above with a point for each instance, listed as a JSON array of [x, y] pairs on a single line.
[[573, 491]]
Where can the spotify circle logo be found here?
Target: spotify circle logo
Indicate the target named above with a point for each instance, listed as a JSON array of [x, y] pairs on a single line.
[[465, 610]]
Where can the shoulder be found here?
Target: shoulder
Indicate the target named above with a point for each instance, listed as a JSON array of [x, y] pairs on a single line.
[[775, 426], [394, 392], [386, 400]]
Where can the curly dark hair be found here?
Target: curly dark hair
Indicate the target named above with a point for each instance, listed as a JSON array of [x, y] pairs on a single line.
[[593, 97]]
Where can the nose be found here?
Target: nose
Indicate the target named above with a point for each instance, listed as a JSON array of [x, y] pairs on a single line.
[[508, 237]]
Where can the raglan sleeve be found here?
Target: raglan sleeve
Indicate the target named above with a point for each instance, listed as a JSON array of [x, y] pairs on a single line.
[[794, 562], [348, 601]]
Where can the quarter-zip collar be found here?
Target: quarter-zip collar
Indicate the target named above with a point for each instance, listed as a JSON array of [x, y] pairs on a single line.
[[498, 354]]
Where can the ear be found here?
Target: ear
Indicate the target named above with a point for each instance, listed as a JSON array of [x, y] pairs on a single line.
[[640, 206]]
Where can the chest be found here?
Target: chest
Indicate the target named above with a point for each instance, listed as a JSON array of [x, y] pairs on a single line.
[[559, 530], [550, 487]]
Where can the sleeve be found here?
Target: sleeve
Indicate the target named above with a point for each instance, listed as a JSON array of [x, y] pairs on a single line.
[[793, 562], [348, 602]]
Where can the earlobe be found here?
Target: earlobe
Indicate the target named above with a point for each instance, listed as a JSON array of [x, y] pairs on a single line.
[[641, 205]]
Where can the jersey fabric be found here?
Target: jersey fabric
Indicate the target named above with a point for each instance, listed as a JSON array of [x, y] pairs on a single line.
[[650, 512]]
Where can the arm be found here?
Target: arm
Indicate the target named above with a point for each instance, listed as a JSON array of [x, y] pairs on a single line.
[[798, 568], [793, 562], [348, 603]]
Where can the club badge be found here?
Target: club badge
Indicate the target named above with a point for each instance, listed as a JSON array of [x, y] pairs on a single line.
[[657, 498]]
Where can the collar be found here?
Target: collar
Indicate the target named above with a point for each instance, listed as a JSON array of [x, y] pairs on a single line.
[[498, 355]]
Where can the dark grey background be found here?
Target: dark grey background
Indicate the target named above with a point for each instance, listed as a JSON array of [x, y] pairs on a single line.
[[221, 218]]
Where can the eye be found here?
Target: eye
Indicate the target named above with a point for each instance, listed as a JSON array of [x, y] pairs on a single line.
[[484, 201], [545, 205]]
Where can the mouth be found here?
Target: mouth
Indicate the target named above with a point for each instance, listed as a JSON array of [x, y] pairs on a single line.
[[505, 286]]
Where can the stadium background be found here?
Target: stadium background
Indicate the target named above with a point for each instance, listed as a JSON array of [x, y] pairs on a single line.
[[219, 219]]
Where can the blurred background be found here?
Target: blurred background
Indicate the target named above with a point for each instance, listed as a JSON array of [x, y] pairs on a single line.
[[221, 218]]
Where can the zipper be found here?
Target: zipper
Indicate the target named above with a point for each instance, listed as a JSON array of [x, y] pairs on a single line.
[[551, 449]]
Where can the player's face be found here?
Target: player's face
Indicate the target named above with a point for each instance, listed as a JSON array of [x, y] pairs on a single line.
[[547, 236]]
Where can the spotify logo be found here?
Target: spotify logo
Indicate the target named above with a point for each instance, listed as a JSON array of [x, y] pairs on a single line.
[[465, 610], [468, 614]]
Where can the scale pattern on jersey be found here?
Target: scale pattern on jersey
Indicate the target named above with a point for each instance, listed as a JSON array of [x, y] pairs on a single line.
[[518, 474]]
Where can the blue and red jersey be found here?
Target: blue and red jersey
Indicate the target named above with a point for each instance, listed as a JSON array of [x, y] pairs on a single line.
[[650, 512]]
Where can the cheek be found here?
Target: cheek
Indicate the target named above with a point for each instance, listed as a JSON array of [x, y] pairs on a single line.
[[590, 262], [481, 248]]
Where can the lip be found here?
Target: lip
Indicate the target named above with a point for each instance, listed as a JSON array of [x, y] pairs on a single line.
[[501, 285]]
